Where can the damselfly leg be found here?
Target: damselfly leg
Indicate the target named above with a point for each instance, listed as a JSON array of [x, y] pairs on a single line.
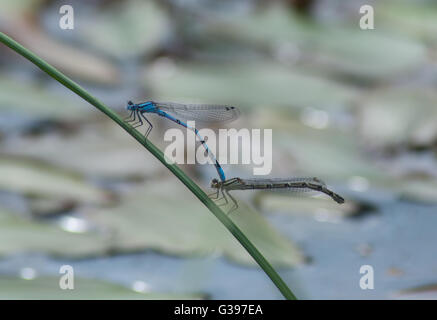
[[132, 117], [149, 129], [223, 198], [235, 204], [214, 195], [127, 119], [140, 121]]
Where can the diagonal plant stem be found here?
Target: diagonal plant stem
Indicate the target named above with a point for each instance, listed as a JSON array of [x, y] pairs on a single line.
[[193, 187]]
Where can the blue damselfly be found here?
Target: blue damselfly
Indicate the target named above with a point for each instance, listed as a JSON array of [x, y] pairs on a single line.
[[177, 112]]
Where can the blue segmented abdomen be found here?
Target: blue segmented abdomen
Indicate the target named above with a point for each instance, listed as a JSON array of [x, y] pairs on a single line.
[[217, 165]]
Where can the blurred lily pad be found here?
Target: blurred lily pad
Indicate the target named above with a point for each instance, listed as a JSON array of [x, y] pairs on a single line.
[[419, 21], [342, 157], [30, 99], [399, 116], [18, 8], [340, 49], [96, 150], [36, 178], [46, 207], [424, 292], [344, 161], [69, 59], [163, 216], [127, 28], [47, 288], [424, 190], [249, 85], [22, 235]]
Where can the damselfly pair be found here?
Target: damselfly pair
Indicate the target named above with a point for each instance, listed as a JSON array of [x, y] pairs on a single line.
[[180, 113]]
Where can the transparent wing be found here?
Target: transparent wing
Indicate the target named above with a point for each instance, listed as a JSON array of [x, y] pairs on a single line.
[[200, 112], [296, 186]]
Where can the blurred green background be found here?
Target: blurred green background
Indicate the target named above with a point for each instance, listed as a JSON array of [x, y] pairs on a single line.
[[355, 108]]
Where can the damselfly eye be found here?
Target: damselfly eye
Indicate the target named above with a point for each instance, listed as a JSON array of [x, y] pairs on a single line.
[[214, 183], [130, 103]]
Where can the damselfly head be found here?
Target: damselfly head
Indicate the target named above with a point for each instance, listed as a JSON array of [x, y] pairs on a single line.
[[215, 184], [130, 105]]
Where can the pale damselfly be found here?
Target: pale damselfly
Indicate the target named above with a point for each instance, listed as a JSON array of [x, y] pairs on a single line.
[[293, 185]]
